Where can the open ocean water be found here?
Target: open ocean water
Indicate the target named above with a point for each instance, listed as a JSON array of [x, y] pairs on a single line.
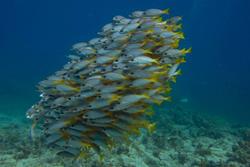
[[206, 124]]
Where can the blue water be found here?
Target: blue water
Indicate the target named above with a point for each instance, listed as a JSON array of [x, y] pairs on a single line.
[[35, 38]]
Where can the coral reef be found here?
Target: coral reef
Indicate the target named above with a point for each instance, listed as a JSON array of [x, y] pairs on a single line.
[[175, 143], [241, 150]]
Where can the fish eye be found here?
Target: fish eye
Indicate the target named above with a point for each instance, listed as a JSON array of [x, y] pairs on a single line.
[[89, 106], [95, 61], [139, 27], [105, 47], [116, 60], [98, 90], [132, 73]]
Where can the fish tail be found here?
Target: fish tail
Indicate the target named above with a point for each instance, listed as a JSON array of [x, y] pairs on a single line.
[[32, 132], [166, 11]]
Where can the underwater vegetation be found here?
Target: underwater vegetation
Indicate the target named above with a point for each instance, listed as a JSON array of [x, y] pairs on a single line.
[[104, 94]]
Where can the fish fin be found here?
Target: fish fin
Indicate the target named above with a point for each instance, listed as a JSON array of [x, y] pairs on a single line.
[[58, 82], [180, 60], [169, 99], [186, 51], [82, 155], [173, 79], [180, 35], [175, 44], [114, 97], [168, 90], [166, 11], [149, 111], [147, 51], [32, 133], [151, 127], [159, 19]]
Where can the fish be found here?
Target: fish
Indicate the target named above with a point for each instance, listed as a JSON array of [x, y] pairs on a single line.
[[143, 60], [142, 82], [105, 92], [107, 27], [118, 18], [137, 52], [113, 76], [137, 14], [87, 51], [79, 46], [132, 98], [105, 59], [156, 12], [173, 70], [130, 27]]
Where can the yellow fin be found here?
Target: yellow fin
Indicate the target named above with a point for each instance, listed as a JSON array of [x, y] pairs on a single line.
[[147, 51], [166, 11], [180, 60], [159, 19], [82, 155], [180, 35], [169, 99], [101, 157], [152, 80], [175, 44], [114, 97], [177, 27], [149, 111], [186, 51], [173, 79], [58, 82], [151, 127], [150, 31], [168, 90]]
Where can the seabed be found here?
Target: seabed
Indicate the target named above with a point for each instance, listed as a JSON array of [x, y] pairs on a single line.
[[184, 138]]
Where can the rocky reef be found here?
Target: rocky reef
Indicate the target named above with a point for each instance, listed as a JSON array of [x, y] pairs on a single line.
[[183, 138]]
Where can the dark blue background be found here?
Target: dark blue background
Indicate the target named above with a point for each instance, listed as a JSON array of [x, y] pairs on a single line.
[[35, 37]]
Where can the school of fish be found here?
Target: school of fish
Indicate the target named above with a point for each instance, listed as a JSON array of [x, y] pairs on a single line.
[[104, 94]]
